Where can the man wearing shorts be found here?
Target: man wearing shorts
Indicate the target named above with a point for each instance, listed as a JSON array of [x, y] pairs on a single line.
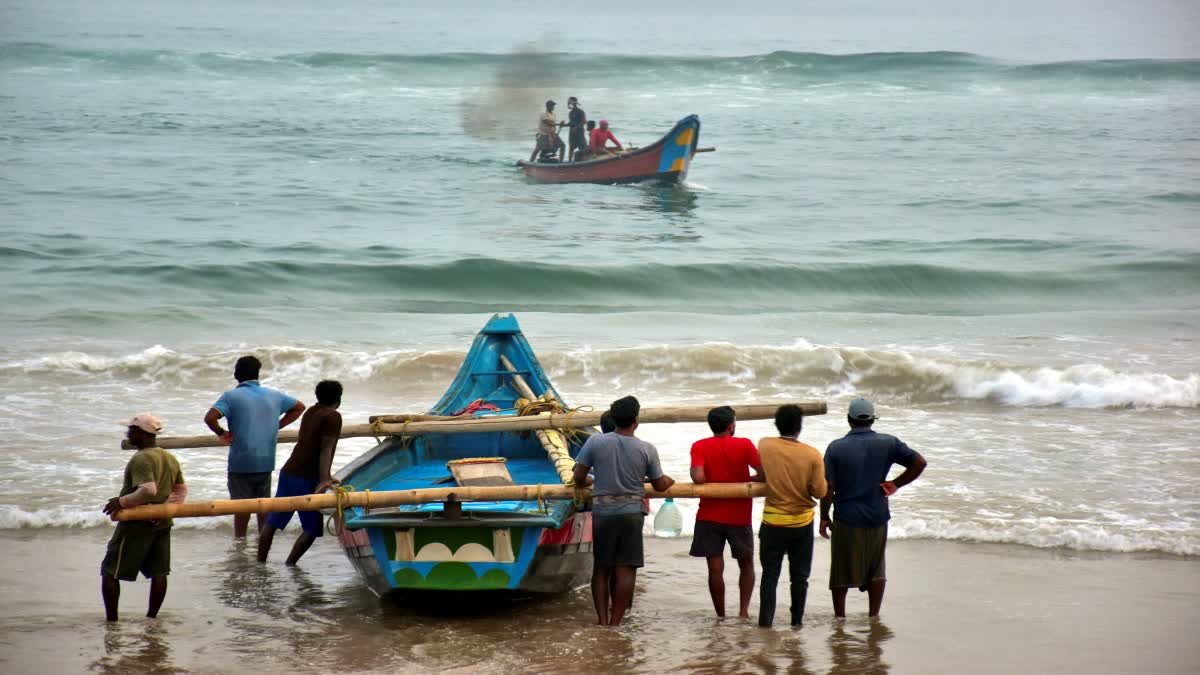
[[152, 476], [254, 418], [725, 458], [307, 471], [856, 470], [621, 463]]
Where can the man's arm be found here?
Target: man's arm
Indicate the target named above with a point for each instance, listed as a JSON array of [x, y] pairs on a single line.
[[662, 483], [580, 474], [178, 493], [759, 476], [212, 420], [325, 464], [826, 502], [911, 471], [292, 413], [817, 488], [697, 473]]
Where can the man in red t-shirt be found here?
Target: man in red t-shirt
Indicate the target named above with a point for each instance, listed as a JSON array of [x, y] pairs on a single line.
[[724, 458], [600, 139]]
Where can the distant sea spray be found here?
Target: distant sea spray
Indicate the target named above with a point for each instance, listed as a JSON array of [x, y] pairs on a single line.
[[717, 368]]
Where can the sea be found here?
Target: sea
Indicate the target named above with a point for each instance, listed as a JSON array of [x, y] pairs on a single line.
[[983, 217]]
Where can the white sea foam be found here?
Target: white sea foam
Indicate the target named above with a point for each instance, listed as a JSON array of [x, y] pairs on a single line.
[[800, 368], [1044, 532]]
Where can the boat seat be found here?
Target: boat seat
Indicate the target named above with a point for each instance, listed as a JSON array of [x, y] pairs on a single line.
[[480, 471]]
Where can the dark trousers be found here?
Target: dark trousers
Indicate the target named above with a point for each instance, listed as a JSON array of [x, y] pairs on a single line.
[[774, 543]]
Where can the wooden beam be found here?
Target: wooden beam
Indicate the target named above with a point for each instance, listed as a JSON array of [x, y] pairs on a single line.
[[504, 423], [496, 493]]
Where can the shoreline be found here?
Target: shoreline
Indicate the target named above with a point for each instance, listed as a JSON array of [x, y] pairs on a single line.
[[950, 607]]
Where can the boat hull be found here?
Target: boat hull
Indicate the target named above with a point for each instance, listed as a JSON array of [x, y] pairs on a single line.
[[665, 162], [538, 546]]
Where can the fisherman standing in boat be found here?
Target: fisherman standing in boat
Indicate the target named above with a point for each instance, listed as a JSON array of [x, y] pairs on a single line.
[[576, 137], [307, 471], [254, 418], [547, 139], [725, 458], [152, 476], [856, 469], [621, 464]]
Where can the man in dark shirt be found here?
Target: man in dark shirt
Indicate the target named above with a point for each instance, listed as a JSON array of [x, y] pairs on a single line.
[[576, 137], [856, 470], [307, 471]]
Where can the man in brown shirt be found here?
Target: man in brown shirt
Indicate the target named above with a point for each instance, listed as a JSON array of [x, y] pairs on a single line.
[[795, 476], [307, 471]]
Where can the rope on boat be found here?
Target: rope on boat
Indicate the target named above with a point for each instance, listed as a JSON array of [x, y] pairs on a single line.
[[555, 442]]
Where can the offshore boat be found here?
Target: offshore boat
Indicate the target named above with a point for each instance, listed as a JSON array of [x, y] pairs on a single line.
[[539, 546], [665, 162]]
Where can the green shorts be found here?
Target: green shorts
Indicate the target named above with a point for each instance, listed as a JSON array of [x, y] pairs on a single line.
[[138, 547], [857, 556]]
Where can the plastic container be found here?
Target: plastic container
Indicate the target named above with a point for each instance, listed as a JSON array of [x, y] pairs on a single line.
[[668, 522]]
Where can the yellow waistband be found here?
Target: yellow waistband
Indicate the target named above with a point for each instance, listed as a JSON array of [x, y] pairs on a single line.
[[780, 518]]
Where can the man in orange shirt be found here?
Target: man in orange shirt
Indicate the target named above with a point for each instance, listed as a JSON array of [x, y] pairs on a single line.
[[724, 458], [795, 476]]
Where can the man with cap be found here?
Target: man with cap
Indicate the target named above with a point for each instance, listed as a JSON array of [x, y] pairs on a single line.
[[152, 476], [547, 134], [856, 471]]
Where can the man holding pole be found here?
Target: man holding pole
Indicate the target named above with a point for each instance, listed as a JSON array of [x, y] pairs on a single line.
[[725, 458], [621, 463], [254, 418], [856, 470], [307, 471], [152, 476]]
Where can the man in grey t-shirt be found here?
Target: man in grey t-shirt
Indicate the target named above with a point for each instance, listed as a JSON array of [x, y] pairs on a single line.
[[621, 463]]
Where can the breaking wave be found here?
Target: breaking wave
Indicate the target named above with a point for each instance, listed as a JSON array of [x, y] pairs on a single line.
[[720, 369]]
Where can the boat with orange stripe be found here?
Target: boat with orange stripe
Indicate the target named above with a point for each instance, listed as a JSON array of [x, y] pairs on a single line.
[[665, 161]]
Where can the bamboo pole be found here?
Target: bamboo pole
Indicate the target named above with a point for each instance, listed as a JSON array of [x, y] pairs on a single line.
[[502, 423], [496, 493], [553, 441]]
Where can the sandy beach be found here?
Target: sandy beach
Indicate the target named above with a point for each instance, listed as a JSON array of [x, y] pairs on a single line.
[[950, 608]]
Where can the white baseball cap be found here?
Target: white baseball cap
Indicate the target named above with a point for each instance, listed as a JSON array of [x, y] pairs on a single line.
[[144, 421]]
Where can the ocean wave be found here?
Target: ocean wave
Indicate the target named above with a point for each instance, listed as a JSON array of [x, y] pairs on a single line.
[[895, 377], [783, 65], [1047, 533], [482, 284], [17, 518]]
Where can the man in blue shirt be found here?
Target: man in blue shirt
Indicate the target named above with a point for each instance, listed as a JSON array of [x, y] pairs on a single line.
[[254, 418], [856, 470]]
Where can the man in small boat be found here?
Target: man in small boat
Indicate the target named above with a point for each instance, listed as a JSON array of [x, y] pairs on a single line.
[[621, 463], [725, 458], [795, 476], [585, 153], [547, 140], [576, 138], [254, 413], [308, 471], [152, 476], [600, 139], [856, 470]]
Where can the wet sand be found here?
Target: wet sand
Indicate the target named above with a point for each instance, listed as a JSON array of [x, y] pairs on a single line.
[[950, 608]]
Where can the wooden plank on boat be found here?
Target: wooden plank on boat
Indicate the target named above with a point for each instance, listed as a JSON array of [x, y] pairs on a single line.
[[328, 500], [504, 423]]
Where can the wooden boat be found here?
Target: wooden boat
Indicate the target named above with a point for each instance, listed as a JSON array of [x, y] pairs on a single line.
[[666, 161], [533, 546]]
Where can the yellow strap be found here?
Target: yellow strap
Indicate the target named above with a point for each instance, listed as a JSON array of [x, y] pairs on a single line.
[[343, 498]]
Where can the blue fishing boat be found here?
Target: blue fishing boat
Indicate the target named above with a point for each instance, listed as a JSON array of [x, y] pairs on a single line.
[[541, 546]]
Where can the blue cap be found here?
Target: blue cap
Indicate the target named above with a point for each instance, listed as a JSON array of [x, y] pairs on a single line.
[[861, 409]]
